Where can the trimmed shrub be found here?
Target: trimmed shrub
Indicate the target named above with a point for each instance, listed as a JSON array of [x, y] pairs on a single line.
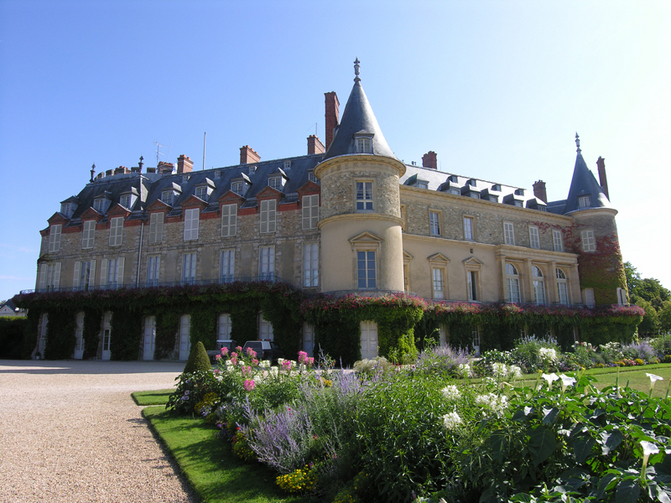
[[198, 360]]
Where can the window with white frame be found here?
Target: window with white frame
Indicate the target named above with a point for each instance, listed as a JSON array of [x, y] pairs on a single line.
[[84, 275], [472, 285], [434, 223], [111, 273], [421, 184], [227, 266], [101, 204], [275, 182], [363, 145], [229, 220], [588, 241], [313, 178], [55, 238], [539, 285], [513, 283], [125, 201], [116, 231], [310, 265], [622, 297], [156, 228], [509, 233], [201, 193], [68, 209], [588, 294], [224, 327], [310, 211], [189, 268], [265, 329], [557, 241], [153, 268], [562, 287], [191, 224], [438, 279], [236, 188], [50, 277], [583, 202], [468, 228], [168, 197], [267, 263], [364, 196], [88, 234], [366, 274], [268, 215], [534, 237]]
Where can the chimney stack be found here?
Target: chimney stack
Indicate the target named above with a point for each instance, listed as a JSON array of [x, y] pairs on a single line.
[[184, 164], [601, 165], [332, 116], [430, 160], [248, 155], [315, 146], [165, 168], [539, 191]]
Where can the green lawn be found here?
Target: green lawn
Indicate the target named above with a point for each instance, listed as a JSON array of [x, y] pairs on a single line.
[[156, 397], [208, 463]]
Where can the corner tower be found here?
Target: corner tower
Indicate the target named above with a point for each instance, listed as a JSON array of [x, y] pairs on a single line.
[[360, 224], [602, 278]]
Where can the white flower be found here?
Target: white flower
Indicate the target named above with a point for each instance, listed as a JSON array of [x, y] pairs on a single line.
[[452, 420], [499, 370], [550, 378], [654, 378], [566, 381], [451, 392], [548, 354], [493, 402], [464, 370], [515, 372], [649, 448]]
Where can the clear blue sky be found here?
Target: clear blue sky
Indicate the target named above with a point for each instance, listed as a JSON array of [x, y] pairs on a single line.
[[497, 88]]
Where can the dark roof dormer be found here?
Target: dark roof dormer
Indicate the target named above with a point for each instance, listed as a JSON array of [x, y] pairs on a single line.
[[358, 132], [203, 190], [585, 192], [69, 206]]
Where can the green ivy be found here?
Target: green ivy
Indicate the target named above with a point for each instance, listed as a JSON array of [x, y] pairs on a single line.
[[167, 325], [60, 334], [30, 333], [126, 328], [92, 321]]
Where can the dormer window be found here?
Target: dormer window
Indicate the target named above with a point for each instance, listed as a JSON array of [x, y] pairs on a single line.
[[67, 209], [583, 202], [126, 201], [101, 204], [496, 187], [252, 170], [453, 179], [276, 182], [313, 178], [364, 144], [474, 195], [201, 193], [421, 184], [519, 192], [455, 191], [168, 197], [287, 165], [472, 182]]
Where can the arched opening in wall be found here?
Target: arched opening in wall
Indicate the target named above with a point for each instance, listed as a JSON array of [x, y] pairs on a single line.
[[443, 334], [79, 336], [224, 326], [184, 336], [539, 285], [149, 338], [265, 329], [42, 336], [562, 287], [308, 338], [513, 283], [106, 337], [368, 340]]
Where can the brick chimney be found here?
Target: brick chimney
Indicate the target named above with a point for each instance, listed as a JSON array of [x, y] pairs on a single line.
[[184, 164], [430, 160], [332, 115], [601, 165], [248, 155], [539, 191], [165, 168], [315, 146]]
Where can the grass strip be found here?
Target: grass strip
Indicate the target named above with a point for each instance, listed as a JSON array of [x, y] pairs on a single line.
[[214, 472], [155, 397]]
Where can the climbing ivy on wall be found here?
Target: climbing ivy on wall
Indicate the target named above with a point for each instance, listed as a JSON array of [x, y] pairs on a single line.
[[60, 334], [30, 333], [126, 325], [92, 320]]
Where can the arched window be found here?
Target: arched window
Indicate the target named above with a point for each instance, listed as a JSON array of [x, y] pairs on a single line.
[[513, 281], [539, 285], [562, 287]]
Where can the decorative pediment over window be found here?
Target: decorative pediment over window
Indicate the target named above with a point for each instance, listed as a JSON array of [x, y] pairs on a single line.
[[473, 262], [407, 257], [118, 211], [158, 205], [91, 214], [438, 258], [269, 193], [366, 238], [57, 218], [309, 188], [193, 202], [230, 197]]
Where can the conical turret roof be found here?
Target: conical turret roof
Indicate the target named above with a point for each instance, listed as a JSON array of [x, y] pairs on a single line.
[[358, 120], [584, 183]]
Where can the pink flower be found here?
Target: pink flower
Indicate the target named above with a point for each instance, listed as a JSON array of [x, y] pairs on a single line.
[[217, 357], [249, 384], [255, 361], [286, 364], [302, 357], [224, 351], [238, 349], [250, 351]]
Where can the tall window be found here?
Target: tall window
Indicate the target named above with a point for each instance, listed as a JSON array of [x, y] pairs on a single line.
[[55, 238], [191, 224], [229, 220], [153, 267], [268, 215], [539, 285], [557, 241], [88, 234], [513, 282], [310, 211], [589, 297], [311, 264], [363, 146], [366, 269], [562, 287], [112, 272], [472, 279], [509, 233], [116, 231], [267, 263], [224, 327], [364, 196], [534, 238], [438, 283], [468, 228], [227, 266], [50, 277], [84, 275], [588, 241], [265, 329], [622, 297], [434, 223], [189, 269], [156, 228]]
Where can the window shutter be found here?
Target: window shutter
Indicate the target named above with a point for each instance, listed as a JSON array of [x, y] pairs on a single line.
[[119, 273], [103, 272], [92, 276], [76, 277], [159, 227], [43, 277], [57, 275]]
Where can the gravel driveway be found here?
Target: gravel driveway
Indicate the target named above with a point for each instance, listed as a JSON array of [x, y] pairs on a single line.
[[70, 432]]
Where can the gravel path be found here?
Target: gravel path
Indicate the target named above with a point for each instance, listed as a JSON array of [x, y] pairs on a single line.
[[70, 432]]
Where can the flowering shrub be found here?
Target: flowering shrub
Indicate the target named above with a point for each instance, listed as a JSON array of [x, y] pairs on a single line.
[[442, 361], [242, 449], [191, 391], [301, 480]]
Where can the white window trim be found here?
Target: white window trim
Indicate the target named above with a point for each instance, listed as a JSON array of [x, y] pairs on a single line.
[[365, 197], [538, 282], [509, 233], [513, 283], [229, 220], [588, 241], [116, 231], [227, 266], [268, 216], [267, 263], [557, 241], [434, 222], [534, 237], [191, 221], [310, 265], [469, 228]]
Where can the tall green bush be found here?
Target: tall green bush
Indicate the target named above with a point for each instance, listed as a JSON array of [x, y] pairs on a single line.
[[198, 359]]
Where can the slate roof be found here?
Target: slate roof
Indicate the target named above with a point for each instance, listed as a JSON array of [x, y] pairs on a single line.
[[358, 118], [584, 183]]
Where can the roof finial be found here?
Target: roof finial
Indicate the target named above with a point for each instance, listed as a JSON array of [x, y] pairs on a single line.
[[93, 171], [577, 143], [356, 70]]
